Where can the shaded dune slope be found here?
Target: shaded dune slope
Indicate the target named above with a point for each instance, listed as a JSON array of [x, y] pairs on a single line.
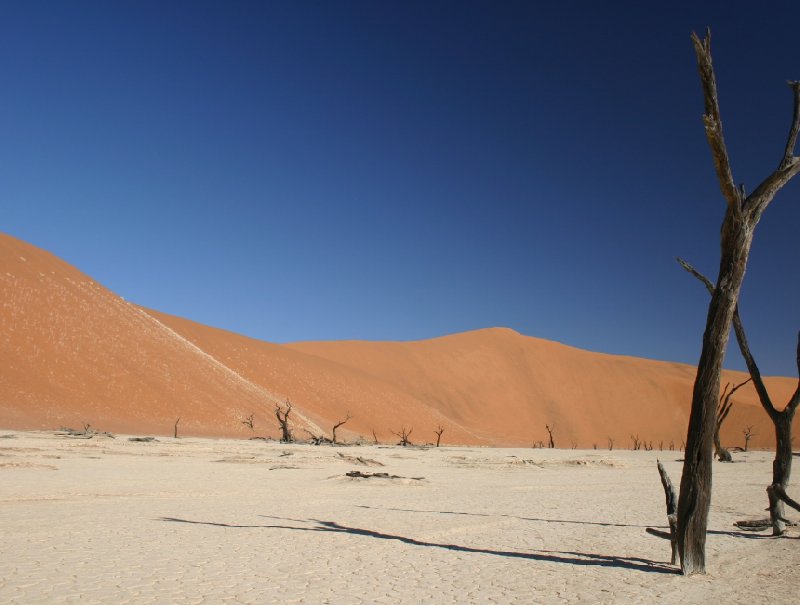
[[74, 352]]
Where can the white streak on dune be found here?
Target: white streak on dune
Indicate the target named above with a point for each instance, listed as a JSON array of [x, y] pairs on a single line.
[[231, 373]]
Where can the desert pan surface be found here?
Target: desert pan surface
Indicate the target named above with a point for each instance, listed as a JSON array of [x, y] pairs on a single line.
[[200, 520]]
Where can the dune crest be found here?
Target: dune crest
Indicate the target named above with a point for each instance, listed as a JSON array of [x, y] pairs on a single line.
[[74, 352]]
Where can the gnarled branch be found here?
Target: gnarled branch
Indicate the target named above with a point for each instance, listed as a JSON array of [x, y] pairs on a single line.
[[713, 122], [788, 154], [776, 490], [788, 168], [741, 338]]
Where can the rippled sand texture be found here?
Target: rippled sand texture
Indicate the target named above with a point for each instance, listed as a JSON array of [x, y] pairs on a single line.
[[195, 520]]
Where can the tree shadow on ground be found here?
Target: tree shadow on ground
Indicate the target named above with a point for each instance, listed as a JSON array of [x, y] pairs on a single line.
[[717, 532], [548, 556], [450, 512]]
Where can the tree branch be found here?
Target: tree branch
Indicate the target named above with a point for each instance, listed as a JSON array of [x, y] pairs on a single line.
[[777, 490], [788, 154], [713, 122], [795, 400], [741, 338], [787, 169], [707, 282]]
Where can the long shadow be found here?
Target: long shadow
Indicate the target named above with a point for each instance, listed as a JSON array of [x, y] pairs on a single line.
[[550, 556], [450, 512], [716, 532], [216, 524]]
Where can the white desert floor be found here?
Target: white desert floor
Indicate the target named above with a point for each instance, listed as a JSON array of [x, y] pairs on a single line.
[[223, 521]]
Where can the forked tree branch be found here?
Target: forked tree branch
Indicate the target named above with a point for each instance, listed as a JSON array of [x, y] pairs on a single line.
[[741, 338], [755, 203], [752, 367], [787, 169], [713, 122], [788, 154], [726, 403], [776, 490]]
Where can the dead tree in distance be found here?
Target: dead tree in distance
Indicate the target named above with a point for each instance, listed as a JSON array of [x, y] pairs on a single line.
[[248, 422], [283, 421], [404, 435], [338, 424], [551, 444], [439, 432], [748, 435], [175, 428], [782, 465], [724, 408], [738, 227]]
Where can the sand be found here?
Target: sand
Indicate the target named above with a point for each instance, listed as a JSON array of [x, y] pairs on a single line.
[[198, 520], [73, 352]]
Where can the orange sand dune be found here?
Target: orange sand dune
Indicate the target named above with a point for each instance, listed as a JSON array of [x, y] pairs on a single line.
[[74, 352]]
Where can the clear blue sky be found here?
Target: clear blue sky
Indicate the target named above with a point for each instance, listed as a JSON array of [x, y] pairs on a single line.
[[396, 170]]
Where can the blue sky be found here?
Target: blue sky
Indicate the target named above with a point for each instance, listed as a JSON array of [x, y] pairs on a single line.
[[397, 170]]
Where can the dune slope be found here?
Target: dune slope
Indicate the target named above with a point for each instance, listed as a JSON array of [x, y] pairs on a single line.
[[74, 352]]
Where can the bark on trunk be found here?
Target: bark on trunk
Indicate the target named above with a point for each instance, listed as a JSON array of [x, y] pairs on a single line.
[[741, 217], [695, 492], [672, 519], [781, 467]]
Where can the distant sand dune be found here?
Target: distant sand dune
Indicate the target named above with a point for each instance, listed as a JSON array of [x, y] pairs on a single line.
[[73, 352]]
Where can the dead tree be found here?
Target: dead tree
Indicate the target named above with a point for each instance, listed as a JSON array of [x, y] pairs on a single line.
[[439, 432], [782, 465], [724, 408], [636, 443], [338, 424], [317, 439], [175, 428], [610, 444], [404, 435], [672, 517], [748, 435], [283, 421], [778, 493], [374, 437], [738, 227], [551, 444], [248, 422]]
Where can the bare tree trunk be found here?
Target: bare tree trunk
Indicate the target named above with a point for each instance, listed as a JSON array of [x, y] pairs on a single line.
[[741, 217], [338, 424], [439, 432], [695, 493], [283, 421], [781, 467], [672, 517], [404, 435], [175, 428], [725, 405], [551, 444], [748, 435]]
